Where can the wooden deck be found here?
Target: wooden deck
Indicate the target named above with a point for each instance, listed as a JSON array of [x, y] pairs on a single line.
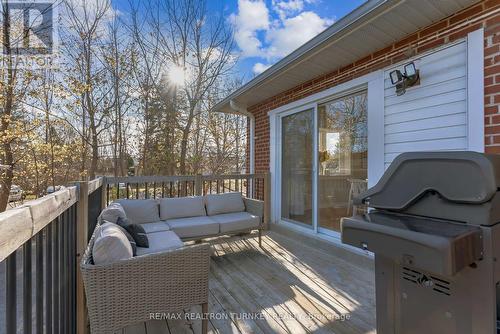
[[295, 285]]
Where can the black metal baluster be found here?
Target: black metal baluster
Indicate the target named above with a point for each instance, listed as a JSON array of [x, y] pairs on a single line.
[[11, 294], [27, 275], [162, 189], [146, 194], [127, 190], [137, 190], [56, 287], [64, 281], [39, 280], [74, 266], [48, 278], [107, 193]]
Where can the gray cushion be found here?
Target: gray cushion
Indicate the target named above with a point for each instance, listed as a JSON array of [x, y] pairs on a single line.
[[193, 226], [156, 226], [112, 212], [140, 211], [236, 221], [224, 203], [182, 207], [110, 244], [160, 242]]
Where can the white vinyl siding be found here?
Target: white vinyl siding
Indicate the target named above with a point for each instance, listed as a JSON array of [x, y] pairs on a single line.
[[432, 115]]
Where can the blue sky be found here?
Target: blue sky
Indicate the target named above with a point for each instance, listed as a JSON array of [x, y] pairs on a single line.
[[267, 30]]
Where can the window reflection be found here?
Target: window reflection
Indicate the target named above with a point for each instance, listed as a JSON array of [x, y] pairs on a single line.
[[342, 152], [297, 167]]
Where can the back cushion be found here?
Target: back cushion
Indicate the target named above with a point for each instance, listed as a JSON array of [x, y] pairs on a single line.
[[110, 244], [224, 203], [182, 207], [112, 212], [140, 211]]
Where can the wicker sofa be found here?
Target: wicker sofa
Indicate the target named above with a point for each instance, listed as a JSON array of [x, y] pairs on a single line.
[[127, 292], [167, 276], [197, 217]]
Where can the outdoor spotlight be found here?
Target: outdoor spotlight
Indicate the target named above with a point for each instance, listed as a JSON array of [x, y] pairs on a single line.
[[396, 76], [409, 78]]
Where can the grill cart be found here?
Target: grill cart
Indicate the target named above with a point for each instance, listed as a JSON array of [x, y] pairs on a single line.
[[434, 226]]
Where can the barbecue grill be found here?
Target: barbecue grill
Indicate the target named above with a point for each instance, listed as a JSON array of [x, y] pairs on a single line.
[[434, 229]]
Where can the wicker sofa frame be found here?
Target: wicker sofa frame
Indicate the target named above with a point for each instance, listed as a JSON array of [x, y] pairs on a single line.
[[138, 289]]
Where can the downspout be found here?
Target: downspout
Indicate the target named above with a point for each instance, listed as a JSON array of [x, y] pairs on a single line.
[[243, 111]]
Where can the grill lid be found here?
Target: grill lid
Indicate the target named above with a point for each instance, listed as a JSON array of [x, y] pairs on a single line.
[[459, 177]]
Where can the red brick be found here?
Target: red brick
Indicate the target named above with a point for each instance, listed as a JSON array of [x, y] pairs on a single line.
[[382, 52], [491, 3], [491, 110], [491, 50], [406, 41], [466, 14], [463, 32], [431, 45], [492, 149], [492, 70], [492, 89], [433, 28], [495, 119], [488, 81], [492, 130]]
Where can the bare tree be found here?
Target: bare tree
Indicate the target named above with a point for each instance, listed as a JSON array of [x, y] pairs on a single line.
[[199, 50]]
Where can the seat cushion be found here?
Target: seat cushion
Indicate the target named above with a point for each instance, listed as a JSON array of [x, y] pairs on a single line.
[[224, 203], [193, 226], [140, 211], [112, 212], [160, 242], [156, 226], [181, 207], [236, 221], [110, 244]]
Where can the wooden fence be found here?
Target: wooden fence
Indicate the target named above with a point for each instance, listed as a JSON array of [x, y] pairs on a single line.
[[42, 241]]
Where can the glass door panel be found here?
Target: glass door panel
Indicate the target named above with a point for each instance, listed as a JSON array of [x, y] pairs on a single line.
[[297, 167], [342, 155]]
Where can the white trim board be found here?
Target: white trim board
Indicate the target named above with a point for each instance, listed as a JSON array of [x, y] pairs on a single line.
[[475, 90]]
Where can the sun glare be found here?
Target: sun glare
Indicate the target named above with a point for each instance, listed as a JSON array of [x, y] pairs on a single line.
[[177, 75]]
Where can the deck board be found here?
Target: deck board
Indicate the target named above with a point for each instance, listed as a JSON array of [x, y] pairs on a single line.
[[292, 285]]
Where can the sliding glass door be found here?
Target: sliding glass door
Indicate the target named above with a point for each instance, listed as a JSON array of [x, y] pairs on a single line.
[[324, 161], [297, 167], [342, 157]]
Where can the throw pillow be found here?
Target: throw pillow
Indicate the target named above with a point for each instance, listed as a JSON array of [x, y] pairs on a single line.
[[139, 234], [121, 223]]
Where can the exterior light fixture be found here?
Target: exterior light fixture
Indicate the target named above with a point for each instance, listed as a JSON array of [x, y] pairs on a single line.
[[409, 78]]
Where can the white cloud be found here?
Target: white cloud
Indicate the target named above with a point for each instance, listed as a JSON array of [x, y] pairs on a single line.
[[272, 33], [294, 32], [252, 17], [287, 8], [258, 68]]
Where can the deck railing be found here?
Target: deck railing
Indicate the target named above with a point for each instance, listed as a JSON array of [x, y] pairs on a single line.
[[249, 185], [41, 243]]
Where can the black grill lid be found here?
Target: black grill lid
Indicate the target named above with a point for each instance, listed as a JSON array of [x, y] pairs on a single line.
[[459, 177]]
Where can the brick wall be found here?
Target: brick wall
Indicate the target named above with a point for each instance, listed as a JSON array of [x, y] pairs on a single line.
[[447, 30]]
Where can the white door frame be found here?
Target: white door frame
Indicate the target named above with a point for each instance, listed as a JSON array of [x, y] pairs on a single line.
[[373, 81]]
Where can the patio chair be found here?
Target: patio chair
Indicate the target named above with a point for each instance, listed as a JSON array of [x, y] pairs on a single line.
[[357, 187], [134, 290]]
